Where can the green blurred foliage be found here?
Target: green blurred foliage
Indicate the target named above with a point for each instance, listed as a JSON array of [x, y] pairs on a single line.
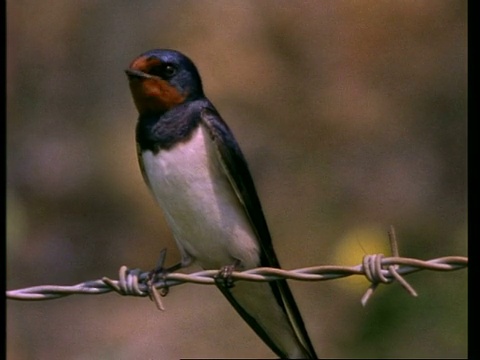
[[352, 115]]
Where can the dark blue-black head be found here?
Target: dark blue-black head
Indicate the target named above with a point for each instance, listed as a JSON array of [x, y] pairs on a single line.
[[161, 79]]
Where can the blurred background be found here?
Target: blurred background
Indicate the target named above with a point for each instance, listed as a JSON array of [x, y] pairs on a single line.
[[351, 114]]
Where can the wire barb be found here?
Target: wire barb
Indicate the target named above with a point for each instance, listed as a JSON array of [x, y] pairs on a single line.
[[128, 284], [374, 271], [136, 283]]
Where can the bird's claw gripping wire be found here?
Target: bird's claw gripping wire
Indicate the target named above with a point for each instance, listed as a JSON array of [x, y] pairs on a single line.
[[224, 276], [159, 274], [135, 282]]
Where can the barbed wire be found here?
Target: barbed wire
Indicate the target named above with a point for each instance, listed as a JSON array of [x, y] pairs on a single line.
[[377, 268], [133, 282]]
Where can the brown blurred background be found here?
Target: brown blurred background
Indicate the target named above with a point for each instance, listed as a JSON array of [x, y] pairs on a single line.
[[352, 115]]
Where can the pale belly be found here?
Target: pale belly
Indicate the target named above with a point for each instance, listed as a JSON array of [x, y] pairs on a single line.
[[201, 208], [211, 227]]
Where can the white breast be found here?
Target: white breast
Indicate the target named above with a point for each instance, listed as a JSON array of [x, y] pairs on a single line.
[[204, 214]]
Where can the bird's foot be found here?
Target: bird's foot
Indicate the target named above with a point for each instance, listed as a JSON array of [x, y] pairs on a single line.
[[224, 276], [156, 274]]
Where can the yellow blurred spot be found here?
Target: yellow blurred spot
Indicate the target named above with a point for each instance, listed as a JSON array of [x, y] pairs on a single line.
[[353, 246]]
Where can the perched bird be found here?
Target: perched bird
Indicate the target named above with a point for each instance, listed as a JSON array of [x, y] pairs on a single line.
[[200, 178]]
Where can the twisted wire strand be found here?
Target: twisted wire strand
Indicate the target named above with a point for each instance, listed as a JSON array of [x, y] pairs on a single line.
[[134, 282]]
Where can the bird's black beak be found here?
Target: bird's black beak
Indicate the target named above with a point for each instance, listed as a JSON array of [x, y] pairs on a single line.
[[136, 74]]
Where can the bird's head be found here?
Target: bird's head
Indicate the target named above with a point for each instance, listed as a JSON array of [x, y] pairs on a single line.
[[162, 79]]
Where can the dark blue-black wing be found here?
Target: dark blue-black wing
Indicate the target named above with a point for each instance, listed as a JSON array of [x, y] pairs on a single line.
[[238, 173]]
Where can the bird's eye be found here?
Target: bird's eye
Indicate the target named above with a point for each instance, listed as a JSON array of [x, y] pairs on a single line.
[[169, 70], [164, 71]]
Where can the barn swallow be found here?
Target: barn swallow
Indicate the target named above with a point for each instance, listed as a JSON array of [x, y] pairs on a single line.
[[197, 173]]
